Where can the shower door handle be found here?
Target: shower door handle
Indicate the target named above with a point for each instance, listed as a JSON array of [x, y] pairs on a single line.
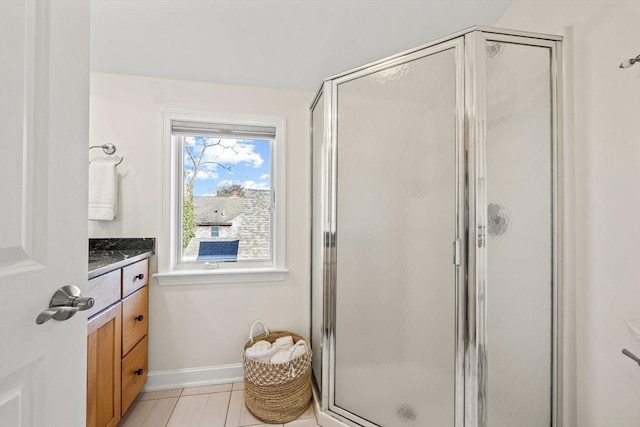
[[457, 252]]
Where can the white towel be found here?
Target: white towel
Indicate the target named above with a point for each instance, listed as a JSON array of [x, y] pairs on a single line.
[[261, 354], [261, 345], [103, 184], [299, 349], [281, 357], [284, 343]]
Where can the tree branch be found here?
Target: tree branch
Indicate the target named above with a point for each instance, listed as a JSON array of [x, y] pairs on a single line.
[[229, 168]]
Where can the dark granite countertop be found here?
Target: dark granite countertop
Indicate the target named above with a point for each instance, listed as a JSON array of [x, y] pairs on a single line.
[[106, 255]]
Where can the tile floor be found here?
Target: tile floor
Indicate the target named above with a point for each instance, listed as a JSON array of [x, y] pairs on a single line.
[[212, 406]]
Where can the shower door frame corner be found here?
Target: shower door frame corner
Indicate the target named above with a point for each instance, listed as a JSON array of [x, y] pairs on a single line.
[[327, 236]]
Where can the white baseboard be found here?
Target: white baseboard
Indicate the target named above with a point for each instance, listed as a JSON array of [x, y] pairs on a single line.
[[193, 377]]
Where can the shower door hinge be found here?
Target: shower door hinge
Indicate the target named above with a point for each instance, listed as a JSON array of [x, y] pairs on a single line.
[[456, 252]]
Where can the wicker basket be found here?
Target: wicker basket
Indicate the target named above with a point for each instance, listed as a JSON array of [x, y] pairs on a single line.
[[276, 392]]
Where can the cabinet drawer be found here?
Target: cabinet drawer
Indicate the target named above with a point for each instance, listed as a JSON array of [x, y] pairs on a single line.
[[135, 314], [134, 277], [105, 290], [134, 373]]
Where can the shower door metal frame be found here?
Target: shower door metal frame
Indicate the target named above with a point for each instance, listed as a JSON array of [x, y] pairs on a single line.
[[325, 90], [476, 363], [471, 362]]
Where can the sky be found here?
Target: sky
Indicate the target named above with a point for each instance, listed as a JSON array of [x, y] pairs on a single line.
[[245, 161]]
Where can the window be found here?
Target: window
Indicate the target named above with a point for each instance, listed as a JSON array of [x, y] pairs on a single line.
[[223, 199]]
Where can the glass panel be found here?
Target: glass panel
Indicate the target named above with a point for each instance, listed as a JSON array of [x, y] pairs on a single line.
[[317, 244], [519, 246], [226, 185], [395, 284]]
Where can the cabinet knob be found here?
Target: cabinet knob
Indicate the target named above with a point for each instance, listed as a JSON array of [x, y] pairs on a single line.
[[138, 371], [139, 276], [139, 317]]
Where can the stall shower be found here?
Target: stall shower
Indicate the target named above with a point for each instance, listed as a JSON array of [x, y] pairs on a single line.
[[435, 267]]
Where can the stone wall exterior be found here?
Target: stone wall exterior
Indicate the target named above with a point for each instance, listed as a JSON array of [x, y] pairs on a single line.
[[255, 231]]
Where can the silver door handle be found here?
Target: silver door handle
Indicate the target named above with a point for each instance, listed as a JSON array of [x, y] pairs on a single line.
[[56, 313], [64, 304]]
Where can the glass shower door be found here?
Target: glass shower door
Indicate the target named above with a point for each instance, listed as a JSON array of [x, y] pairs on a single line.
[[519, 196], [396, 190]]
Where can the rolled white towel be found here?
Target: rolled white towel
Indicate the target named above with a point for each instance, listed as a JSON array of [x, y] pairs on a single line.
[[262, 354], [281, 357], [284, 343], [299, 349], [285, 356], [261, 345]]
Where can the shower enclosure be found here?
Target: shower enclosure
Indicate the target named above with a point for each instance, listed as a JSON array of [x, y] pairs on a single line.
[[435, 235]]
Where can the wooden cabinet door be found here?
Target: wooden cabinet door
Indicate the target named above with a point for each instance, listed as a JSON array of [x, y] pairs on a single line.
[[103, 368]]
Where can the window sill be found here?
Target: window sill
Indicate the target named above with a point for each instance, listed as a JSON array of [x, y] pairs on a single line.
[[215, 277]]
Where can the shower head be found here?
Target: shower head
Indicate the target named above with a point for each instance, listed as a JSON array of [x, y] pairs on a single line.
[[629, 62]]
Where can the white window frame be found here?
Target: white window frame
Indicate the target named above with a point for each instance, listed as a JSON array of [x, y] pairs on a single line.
[[170, 270]]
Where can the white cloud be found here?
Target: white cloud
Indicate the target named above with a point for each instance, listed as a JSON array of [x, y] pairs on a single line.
[[252, 185], [264, 176], [190, 141], [206, 174], [248, 184], [232, 152], [202, 174], [225, 182]]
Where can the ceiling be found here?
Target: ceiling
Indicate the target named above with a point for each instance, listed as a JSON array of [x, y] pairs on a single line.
[[285, 44]]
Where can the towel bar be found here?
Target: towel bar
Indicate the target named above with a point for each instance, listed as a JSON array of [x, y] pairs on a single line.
[[631, 356]]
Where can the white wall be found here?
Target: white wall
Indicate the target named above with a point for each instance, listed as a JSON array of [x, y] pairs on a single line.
[[197, 326], [604, 201]]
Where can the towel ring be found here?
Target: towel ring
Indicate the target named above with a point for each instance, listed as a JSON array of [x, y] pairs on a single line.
[[109, 149]]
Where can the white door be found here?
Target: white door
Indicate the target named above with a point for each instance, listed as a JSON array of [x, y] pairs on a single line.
[[44, 120]]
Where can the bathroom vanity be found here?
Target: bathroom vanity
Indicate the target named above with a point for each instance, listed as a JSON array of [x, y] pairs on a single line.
[[117, 326]]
